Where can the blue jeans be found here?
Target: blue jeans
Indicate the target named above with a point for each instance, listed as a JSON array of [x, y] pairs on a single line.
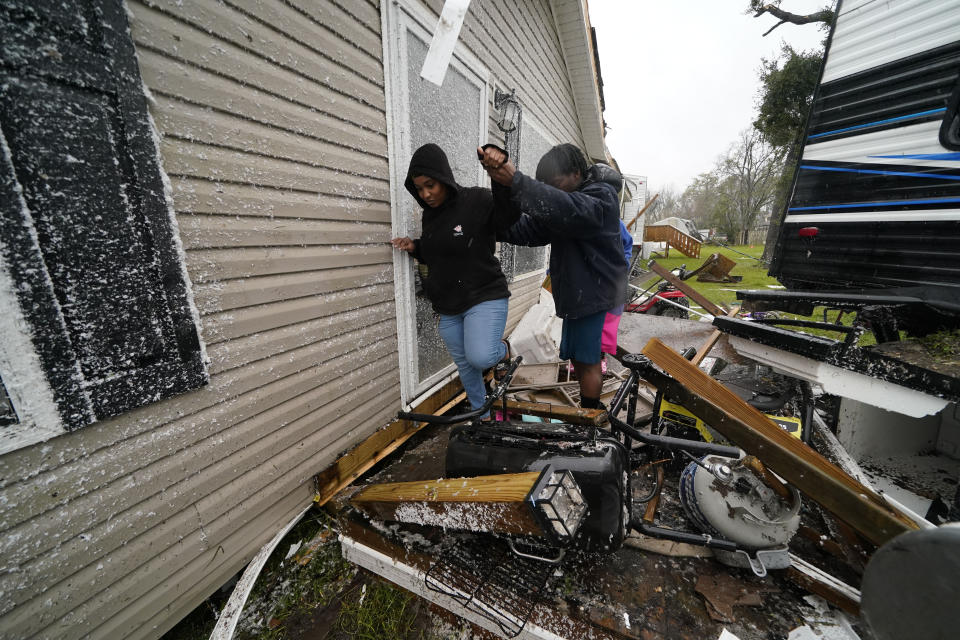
[[473, 340]]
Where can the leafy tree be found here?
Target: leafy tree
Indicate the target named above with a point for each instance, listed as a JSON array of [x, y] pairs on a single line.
[[786, 93]]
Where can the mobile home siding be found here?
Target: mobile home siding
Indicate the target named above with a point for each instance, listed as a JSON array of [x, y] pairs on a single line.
[[273, 135], [272, 131]]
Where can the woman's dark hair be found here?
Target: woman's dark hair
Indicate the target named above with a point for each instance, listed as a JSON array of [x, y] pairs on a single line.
[[561, 160]]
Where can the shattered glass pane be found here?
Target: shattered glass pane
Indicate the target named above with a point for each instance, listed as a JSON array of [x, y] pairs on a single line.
[[533, 145], [450, 117]]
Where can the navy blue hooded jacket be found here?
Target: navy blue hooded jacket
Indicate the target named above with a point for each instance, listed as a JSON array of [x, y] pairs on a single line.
[[587, 269]]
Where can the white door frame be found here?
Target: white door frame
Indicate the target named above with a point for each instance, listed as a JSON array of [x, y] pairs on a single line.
[[396, 17]]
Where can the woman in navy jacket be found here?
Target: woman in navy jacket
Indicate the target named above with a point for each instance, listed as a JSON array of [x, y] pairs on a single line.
[[458, 266]]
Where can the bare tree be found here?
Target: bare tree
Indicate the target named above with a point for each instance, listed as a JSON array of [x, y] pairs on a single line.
[[747, 181], [759, 8], [667, 204], [699, 199]]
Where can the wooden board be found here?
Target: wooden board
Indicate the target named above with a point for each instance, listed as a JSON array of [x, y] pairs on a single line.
[[382, 443], [800, 465], [691, 293], [490, 504], [711, 341], [573, 415]]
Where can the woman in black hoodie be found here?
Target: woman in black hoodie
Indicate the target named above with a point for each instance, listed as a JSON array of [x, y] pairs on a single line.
[[458, 265]]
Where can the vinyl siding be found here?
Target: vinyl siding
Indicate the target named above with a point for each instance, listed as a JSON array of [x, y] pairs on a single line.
[[525, 55], [273, 135]]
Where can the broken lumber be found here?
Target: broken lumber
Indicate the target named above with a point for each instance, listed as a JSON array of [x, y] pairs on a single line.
[[573, 415], [800, 465], [691, 293], [382, 443], [814, 580], [642, 211], [503, 503], [711, 340], [650, 513]]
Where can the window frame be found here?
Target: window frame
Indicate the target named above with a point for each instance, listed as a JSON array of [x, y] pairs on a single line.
[[508, 252]]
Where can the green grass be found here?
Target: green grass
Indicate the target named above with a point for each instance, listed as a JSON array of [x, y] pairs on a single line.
[[315, 583], [754, 276], [313, 577], [378, 611], [753, 272], [942, 344]]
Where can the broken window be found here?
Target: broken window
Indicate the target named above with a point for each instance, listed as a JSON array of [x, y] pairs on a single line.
[[87, 238], [534, 143]]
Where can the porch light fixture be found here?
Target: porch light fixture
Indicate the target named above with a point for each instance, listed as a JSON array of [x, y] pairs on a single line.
[[509, 108], [559, 504]]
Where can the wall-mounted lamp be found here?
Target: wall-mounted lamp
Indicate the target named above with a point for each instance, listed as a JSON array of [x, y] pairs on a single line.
[[509, 108]]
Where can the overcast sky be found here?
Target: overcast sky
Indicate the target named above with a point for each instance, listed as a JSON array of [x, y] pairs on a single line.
[[680, 79]]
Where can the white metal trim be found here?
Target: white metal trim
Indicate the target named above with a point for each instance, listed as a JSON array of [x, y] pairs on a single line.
[[915, 139], [870, 216], [843, 382], [23, 376]]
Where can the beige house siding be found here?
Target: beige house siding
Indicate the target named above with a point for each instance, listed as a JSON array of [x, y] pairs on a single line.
[[527, 57], [273, 135]]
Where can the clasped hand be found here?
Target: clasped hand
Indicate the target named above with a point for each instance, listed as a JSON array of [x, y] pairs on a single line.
[[496, 164]]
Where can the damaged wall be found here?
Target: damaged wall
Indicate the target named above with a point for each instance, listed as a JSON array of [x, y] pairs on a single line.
[[272, 124], [273, 137]]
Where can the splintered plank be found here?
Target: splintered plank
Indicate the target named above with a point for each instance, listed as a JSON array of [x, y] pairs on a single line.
[[573, 415], [814, 580], [491, 504], [711, 340], [691, 293], [382, 443], [803, 467]]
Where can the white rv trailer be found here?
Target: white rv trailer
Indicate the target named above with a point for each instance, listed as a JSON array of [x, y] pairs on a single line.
[[876, 197]]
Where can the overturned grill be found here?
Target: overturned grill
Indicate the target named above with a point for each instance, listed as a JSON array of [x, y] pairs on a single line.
[[483, 575]]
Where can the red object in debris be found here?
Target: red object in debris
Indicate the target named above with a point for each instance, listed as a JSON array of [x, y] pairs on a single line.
[[808, 232]]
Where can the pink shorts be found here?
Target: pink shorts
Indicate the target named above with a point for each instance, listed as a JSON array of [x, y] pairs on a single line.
[[611, 324]]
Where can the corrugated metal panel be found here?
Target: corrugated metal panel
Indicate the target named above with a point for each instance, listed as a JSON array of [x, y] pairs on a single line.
[[274, 137], [870, 34]]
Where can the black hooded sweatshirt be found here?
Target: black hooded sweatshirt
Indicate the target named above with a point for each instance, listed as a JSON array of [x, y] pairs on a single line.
[[459, 238]]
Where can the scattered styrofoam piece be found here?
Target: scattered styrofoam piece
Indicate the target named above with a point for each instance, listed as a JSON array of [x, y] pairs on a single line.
[[823, 623]]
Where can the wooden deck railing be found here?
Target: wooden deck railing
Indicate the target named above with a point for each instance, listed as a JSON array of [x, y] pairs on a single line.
[[687, 245]]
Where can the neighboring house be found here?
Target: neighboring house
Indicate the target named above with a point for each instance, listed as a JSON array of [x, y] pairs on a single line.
[[635, 198], [200, 308]]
